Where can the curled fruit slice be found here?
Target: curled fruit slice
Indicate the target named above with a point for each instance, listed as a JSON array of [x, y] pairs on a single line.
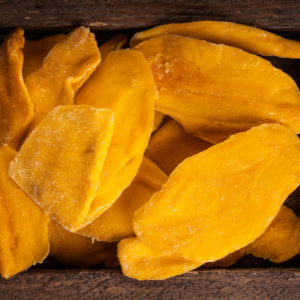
[[248, 38], [187, 71], [115, 224], [111, 45], [16, 109], [23, 224], [124, 84], [79, 251], [59, 164], [201, 212], [158, 118]]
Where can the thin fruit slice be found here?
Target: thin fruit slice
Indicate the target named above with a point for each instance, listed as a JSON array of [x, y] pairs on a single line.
[[67, 66], [36, 51], [16, 109], [59, 164], [245, 37], [124, 84], [171, 145], [280, 242], [158, 118], [115, 224], [222, 199], [227, 261], [111, 45], [250, 91], [79, 251], [23, 224]]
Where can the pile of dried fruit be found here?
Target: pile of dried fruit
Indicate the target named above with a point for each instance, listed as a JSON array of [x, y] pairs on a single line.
[[78, 162]]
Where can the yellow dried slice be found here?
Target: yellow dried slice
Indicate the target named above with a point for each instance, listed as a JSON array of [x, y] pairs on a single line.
[[245, 37], [124, 84], [171, 145], [79, 251], [187, 71], [113, 44], [222, 199], [23, 224], [227, 261], [115, 224], [36, 51], [59, 164], [140, 262], [280, 242], [65, 69], [158, 118], [16, 110]]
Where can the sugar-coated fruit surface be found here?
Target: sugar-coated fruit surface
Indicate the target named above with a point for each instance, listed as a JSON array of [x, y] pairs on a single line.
[[66, 67], [158, 118], [79, 251], [250, 39], [36, 51], [222, 199], [171, 144], [23, 224], [59, 164], [115, 224], [124, 84], [280, 242], [140, 262], [113, 44], [16, 109], [250, 91]]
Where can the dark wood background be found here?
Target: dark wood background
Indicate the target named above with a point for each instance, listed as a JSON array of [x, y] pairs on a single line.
[[249, 278]]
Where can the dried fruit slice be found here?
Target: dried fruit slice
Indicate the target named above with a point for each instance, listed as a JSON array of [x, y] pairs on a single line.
[[59, 164], [186, 77], [201, 213], [171, 145], [158, 118], [280, 242], [113, 44], [124, 84], [23, 224], [141, 262], [65, 69], [36, 51], [79, 251], [16, 109], [248, 38], [115, 224], [227, 261]]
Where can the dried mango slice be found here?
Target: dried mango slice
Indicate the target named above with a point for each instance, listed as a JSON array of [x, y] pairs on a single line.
[[201, 213], [115, 224], [59, 164], [158, 117], [227, 261], [36, 51], [187, 76], [171, 145], [140, 262], [245, 37], [65, 69], [113, 44], [79, 251], [280, 242], [124, 84], [16, 110], [23, 224]]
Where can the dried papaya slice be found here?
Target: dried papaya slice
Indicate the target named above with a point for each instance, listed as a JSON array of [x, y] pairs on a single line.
[[79, 251], [23, 224], [124, 84], [64, 70], [59, 164], [115, 224], [113, 44], [158, 118], [16, 109], [36, 51], [280, 242], [186, 77], [171, 144], [201, 213], [245, 37]]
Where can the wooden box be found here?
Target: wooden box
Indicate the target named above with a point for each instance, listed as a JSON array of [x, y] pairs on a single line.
[[249, 278]]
